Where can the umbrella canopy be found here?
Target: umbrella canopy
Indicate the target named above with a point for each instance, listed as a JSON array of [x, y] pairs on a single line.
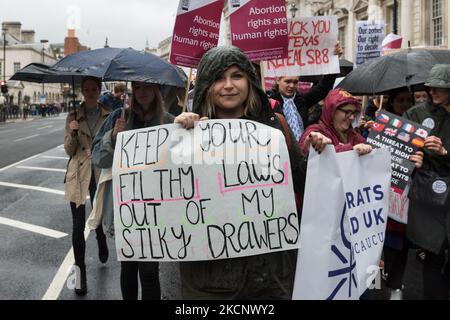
[[409, 68], [115, 64], [41, 73]]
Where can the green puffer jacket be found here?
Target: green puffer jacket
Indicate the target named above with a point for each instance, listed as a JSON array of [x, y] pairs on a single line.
[[428, 227], [267, 276]]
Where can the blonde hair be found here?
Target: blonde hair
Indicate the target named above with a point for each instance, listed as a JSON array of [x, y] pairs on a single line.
[[157, 105], [252, 104]]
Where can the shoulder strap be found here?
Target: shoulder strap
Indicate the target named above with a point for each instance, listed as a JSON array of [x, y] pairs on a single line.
[[286, 132]]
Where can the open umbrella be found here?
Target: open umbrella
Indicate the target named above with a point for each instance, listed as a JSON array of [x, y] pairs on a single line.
[[408, 68], [116, 64], [41, 73]]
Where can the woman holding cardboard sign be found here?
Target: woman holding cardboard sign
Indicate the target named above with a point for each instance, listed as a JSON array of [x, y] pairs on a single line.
[[146, 111], [227, 88]]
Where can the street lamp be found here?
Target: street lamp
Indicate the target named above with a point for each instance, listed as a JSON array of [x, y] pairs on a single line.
[[395, 18], [4, 30], [293, 9], [4, 88], [43, 56]]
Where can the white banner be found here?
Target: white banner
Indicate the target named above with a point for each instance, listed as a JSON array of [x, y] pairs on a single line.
[[221, 190], [311, 47], [342, 237]]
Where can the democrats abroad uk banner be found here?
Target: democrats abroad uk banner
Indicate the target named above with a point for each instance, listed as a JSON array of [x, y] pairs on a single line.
[[221, 190], [259, 28], [311, 47], [196, 31], [342, 237]]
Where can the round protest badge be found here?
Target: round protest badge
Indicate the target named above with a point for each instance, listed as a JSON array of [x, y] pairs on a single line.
[[439, 187], [429, 123]]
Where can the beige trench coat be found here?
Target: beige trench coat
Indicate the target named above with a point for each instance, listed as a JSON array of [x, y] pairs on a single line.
[[78, 175]]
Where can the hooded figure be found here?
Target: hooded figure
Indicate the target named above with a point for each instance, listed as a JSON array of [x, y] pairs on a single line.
[[267, 276], [328, 126], [429, 225], [212, 66]]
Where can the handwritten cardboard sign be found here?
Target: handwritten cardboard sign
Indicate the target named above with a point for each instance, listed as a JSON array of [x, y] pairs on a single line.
[[221, 190], [311, 47]]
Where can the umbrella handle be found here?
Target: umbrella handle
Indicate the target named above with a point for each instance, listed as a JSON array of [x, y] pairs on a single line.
[[125, 104]]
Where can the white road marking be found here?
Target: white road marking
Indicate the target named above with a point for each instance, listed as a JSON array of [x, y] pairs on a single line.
[[26, 138], [33, 228], [34, 188], [10, 130], [59, 280], [55, 130], [44, 127], [27, 159], [41, 169], [17, 163], [54, 157]]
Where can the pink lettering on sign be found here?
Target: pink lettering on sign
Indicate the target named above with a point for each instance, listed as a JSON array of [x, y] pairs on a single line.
[[311, 46]]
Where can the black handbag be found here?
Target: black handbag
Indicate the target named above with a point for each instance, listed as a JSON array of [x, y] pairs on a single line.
[[428, 188]]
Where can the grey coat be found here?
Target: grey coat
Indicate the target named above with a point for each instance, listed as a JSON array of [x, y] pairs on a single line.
[[429, 227]]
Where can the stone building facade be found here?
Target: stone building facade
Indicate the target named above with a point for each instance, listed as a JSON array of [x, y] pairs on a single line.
[[421, 23], [20, 50]]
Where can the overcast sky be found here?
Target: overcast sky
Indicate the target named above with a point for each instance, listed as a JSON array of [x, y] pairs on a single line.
[[126, 23]]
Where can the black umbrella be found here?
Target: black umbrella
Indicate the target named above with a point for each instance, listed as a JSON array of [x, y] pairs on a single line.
[[115, 64], [408, 68], [41, 73]]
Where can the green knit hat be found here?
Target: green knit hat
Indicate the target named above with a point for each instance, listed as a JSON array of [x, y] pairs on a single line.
[[213, 64], [439, 76]]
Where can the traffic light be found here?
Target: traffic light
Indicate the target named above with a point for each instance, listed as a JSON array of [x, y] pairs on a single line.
[[4, 87]]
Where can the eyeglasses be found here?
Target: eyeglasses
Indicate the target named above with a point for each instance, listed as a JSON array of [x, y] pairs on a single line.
[[349, 113]]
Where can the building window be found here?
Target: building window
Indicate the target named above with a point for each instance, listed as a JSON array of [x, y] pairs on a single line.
[[437, 22], [16, 66], [341, 37], [390, 19]]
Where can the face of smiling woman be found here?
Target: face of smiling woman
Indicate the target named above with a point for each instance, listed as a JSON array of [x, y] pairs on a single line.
[[229, 94], [344, 117]]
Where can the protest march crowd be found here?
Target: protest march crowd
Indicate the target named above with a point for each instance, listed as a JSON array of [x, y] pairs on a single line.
[[326, 121]]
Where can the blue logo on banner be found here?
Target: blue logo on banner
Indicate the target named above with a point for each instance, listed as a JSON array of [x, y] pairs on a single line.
[[347, 272]]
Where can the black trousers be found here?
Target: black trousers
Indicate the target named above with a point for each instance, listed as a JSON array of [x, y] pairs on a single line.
[[149, 276], [79, 221], [436, 276], [395, 266]]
